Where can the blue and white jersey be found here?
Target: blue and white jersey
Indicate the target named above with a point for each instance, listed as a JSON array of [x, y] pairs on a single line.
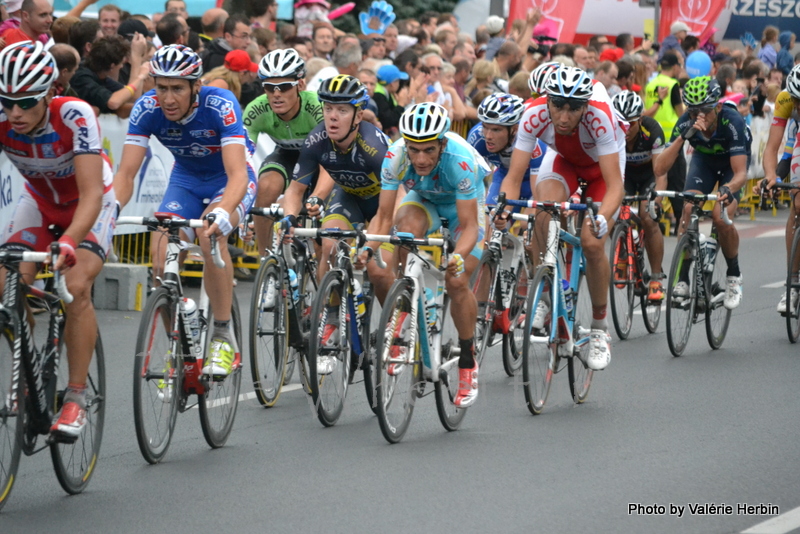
[[196, 141], [502, 159]]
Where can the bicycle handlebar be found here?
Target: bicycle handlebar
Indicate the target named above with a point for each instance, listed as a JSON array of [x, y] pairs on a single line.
[[168, 222], [43, 257], [696, 197]]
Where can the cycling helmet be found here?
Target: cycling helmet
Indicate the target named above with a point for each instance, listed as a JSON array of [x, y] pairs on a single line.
[[793, 82], [502, 109], [538, 77], [569, 82], [176, 61], [424, 122], [285, 63], [629, 105], [343, 89], [26, 68], [702, 91]]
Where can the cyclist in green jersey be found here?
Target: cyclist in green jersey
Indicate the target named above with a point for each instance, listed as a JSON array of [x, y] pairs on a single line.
[[287, 114]]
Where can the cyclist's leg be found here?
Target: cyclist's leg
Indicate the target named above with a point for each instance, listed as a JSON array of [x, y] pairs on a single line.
[[556, 181], [728, 238], [696, 182], [598, 269], [343, 211], [654, 240], [273, 179], [676, 181], [182, 200]]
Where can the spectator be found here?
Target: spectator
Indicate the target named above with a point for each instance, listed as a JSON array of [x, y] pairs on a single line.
[[625, 76], [235, 36], [369, 80], [237, 70], [213, 22], [775, 76], [391, 35], [172, 29], [83, 34], [507, 60], [444, 96], [262, 13], [60, 28], [110, 17], [564, 49], [177, 7], [13, 10], [302, 45], [266, 40], [193, 41], [374, 47], [483, 76], [407, 62], [129, 29], [650, 66], [689, 44], [625, 43], [313, 66], [678, 32], [606, 73], [67, 61], [518, 85], [465, 51], [390, 98], [346, 60], [599, 43], [447, 41], [287, 31], [149, 24], [726, 74], [769, 46], [785, 61], [36, 17], [428, 21], [495, 26], [96, 79], [461, 76], [581, 58], [592, 58], [322, 39]]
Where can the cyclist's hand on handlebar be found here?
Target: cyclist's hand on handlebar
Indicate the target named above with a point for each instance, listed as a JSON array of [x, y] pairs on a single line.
[[725, 195], [456, 265], [66, 256], [361, 259], [600, 227], [314, 206], [501, 219], [286, 227], [765, 184], [222, 223]]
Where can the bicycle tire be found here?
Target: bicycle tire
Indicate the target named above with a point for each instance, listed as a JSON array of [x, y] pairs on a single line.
[[485, 285], [12, 418], [718, 317], [445, 391], [328, 391], [622, 291], [368, 359], [793, 312], [679, 325], [74, 463], [512, 342], [580, 376], [538, 358], [390, 392], [217, 406], [299, 358], [269, 333], [157, 354]]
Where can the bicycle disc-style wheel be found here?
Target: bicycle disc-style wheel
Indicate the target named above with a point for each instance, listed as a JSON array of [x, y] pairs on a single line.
[[12, 407], [717, 315], [538, 349], [485, 285], [580, 376], [219, 402], [680, 310], [269, 339], [74, 463], [330, 314], [157, 377], [446, 388], [398, 369], [622, 283], [793, 312], [512, 342]]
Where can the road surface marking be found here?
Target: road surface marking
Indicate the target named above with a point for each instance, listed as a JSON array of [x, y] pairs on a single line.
[[251, 395], [777, 525], [775, 285]]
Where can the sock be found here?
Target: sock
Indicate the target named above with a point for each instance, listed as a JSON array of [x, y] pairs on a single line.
[[733, 266], [467, 359], [76, 393], [221, 327], [599, 321]]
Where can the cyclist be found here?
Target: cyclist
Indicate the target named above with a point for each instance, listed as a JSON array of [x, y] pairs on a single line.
[[787, 110], [55, 144], [287, 113], [202, 128], [644, 142], [352, 152], [585, 140], [721, 143], [443, 175]]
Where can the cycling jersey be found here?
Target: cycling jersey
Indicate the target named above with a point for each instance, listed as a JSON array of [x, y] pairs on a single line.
[[784, 109], [649, 142], [731, 138], [288, 135]]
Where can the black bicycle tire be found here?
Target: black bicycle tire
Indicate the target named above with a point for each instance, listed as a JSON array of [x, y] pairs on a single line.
[[676, 348], [268, 396]]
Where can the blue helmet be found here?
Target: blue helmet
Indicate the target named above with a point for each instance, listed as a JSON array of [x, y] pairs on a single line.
[[176, 61], [502, 109]]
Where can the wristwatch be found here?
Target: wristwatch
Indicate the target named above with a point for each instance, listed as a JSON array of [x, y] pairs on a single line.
[[660, 102]]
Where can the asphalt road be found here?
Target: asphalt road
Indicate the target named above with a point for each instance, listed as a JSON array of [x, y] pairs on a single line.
[[710, 427]]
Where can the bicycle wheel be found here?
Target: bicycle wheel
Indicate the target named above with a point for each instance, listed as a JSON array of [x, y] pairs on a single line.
[[157, 377], [219, 402], [512, 342], [74, 463], [485, 285], [651, 311], [398, 369], [269, 340], [329, 387], [622, 283], [681, 309], [717, 315], [793, 312], [298, 351], [446, 387], [538, 349], [580, 376], [12, 408], [369, 344]]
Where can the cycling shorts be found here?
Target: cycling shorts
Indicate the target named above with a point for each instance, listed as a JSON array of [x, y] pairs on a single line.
[[556, 167], [281, 161], [436, 211], [349, 210], [706, 172], [29, 228], [639, 183], [497, 181]]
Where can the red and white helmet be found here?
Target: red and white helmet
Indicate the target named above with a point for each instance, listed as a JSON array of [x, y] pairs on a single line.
[[26, 67]]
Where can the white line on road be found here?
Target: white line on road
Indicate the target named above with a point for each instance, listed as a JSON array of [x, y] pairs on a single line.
[[777, 525], [251, 395], [774, 285], [774, 233]]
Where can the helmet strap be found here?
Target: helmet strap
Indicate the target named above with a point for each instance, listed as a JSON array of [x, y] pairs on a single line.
[[194, 101]]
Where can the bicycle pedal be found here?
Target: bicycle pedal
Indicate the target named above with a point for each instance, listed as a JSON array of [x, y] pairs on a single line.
[[57, 437]]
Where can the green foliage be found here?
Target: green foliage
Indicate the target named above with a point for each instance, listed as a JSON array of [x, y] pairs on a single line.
[[414, 8]]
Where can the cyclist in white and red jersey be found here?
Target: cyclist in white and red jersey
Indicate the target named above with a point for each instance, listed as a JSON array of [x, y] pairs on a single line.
[[55, 145], [586, 141]]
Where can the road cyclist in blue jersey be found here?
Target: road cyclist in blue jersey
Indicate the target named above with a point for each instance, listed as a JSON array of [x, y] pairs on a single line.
[[202, 128]]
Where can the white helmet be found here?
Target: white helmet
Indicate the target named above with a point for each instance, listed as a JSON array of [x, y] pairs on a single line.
[[176, 61], [26, 67], [569, 82], [284, 63], [538, 77], [629, 105], [793, 82], [424, 122], [502, 109]]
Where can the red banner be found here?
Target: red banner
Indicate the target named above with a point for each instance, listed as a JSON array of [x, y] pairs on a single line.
[[561, 15], [699, 15]]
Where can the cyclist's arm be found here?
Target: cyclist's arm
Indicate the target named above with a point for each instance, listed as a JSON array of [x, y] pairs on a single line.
[[468, 220], [774, 145], [89, 179], [520, 162], [381, 223], [132, 158], [615, 190], [293, 198], [324, 185], [739, 168], [666, 159], [234, 159]]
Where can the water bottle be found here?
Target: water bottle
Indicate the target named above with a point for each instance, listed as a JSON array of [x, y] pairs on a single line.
[[430, 306], [294, 285], [704, 250], [710, 250], [193, 321], [361, 307], [635, 236], [567, 295]]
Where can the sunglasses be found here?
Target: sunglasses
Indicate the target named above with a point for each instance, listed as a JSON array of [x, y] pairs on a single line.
[[24, 103], [282, 87], [559, 102], [694, 112]]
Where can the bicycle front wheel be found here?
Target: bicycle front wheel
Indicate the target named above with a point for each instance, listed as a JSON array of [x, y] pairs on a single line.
[[269, 340], [221, 398], [793, 286], [12, 409], [446, 388], [538, 350], [157, 377], [580, 376], [718, 317], [74, 463], [681, 307], [486, 287], [622, 282], [513, 340], [329, 350]]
